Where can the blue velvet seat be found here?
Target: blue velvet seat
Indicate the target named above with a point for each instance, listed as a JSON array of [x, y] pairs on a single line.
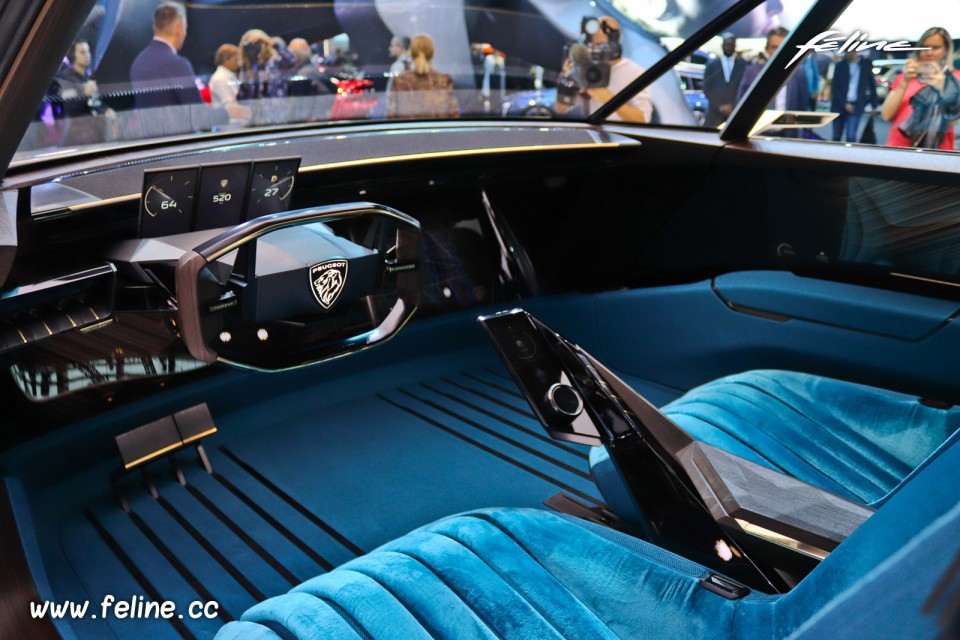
[[856, 441], [516, 573]]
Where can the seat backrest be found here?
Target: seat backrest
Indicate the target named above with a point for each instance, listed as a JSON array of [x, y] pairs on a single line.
[[875, 584]]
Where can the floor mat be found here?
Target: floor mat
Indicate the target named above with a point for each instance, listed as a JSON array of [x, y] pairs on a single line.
[[304, 491]]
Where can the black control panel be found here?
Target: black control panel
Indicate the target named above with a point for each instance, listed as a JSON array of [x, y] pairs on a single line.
[[529, 350], [578, 399]]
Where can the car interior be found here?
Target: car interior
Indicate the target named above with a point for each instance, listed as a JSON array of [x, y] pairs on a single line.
[[478, 377]]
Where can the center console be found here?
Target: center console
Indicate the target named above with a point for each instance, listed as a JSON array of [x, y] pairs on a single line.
[[750, 523]]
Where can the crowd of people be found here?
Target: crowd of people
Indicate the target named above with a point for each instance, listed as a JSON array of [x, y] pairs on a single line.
[[260, 80], [265, 80], [922, 104]]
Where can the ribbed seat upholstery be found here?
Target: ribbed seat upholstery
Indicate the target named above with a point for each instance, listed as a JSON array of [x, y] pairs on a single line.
[[528, 574], [857, 441]]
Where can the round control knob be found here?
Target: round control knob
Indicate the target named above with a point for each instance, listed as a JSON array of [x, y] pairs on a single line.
[[565, 399]]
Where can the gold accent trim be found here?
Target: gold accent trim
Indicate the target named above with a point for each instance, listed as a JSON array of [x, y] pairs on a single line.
[[381, 160], [931, 280], [23, 337], [71, 320], [38, 24], [782, 540], [99, 325], [94, 312], [206, 433], [153, 455], [106, 201], [47, 327], [456, 154]]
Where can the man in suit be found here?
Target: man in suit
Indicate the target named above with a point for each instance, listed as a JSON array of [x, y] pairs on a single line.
[[852, 89], [160, 76], [793, 96], [721, 80], [163, 78]]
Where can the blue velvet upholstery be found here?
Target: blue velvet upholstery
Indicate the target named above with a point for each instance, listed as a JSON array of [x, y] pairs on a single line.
[[857, 441], [523, 573]]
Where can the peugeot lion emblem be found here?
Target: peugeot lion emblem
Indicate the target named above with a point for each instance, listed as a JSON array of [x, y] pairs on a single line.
[[326, 281]]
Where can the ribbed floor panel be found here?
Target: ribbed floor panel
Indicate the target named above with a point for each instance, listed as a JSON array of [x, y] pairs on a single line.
[[294, 497]]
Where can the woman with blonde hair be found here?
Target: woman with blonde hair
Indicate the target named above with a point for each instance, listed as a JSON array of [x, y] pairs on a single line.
[[262, 62], [924, 100], [422, 92]]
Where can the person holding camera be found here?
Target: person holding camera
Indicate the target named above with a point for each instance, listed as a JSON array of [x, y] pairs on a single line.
[[263, 63], [603, 38], [924, 100]]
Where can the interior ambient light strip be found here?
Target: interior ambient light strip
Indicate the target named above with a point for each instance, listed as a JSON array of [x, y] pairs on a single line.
[[931, 280], [105, 201], [206, 433], [153, 455], [782, 540], [456, 154]]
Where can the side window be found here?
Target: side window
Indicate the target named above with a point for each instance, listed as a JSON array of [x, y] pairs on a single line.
[[886, 78], [704, 89]]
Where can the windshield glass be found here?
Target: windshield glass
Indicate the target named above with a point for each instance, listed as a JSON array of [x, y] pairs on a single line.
[[140, 71]]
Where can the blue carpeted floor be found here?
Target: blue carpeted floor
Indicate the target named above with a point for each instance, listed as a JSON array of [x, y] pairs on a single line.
[[300, 486]]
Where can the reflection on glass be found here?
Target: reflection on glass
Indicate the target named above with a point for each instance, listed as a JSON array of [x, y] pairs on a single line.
[[882, 89], [294, 63]]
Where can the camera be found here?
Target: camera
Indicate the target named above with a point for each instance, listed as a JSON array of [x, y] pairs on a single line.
[[251, 52], [589, 62], [568, 91], [609, 50], [925, 70], [590, 69]]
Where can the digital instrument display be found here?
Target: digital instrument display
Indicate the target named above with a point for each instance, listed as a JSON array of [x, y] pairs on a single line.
[[167, 203], [223, 188], [271, 186]]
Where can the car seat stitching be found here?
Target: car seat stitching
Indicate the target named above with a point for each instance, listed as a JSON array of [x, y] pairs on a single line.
[[828, 452], [798, 459], [493, 521], [874, 456], [730, 433], [506, 579], [403, 604], [347, 617], [439, 577], [278, 628]]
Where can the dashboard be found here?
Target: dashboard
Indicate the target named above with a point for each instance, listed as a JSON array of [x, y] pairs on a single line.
[[506, 212]]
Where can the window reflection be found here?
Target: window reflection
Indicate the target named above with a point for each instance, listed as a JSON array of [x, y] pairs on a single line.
[[882, 90]]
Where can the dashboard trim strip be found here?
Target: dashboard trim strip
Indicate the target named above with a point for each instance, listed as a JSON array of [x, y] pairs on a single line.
[[455, 154]]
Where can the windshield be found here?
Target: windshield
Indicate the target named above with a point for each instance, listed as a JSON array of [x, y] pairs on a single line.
[[141, 71]]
